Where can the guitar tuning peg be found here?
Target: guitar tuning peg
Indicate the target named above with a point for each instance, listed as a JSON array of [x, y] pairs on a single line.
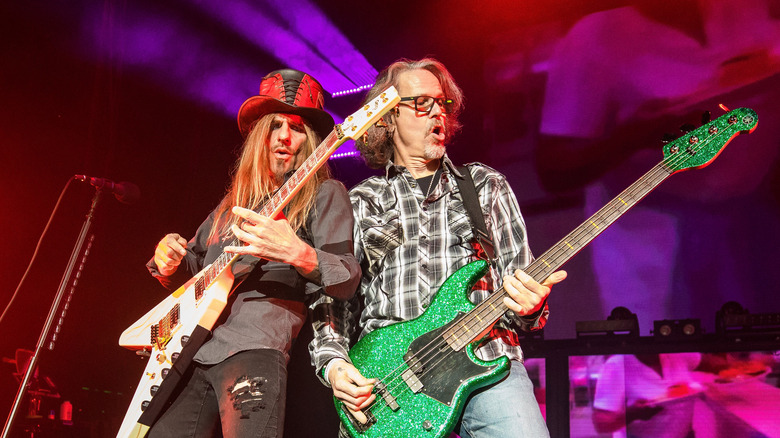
[[687, 127], [667, 138], [706, 117]]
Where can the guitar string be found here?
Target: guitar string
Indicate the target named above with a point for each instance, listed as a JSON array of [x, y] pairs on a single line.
[[658, 171], [328, 145], [326, 148], [309, 166], [461, 322], [498, 293]]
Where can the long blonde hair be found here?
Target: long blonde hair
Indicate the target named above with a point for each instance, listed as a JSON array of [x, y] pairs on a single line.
[[252, 184]]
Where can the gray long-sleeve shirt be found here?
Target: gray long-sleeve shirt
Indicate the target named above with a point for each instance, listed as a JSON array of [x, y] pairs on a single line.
[[268, 309]]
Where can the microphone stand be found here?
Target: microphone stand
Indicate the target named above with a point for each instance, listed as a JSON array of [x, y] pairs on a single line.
[[52, 312]]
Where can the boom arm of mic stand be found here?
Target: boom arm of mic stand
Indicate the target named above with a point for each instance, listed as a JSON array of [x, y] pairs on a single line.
[[52, 314]]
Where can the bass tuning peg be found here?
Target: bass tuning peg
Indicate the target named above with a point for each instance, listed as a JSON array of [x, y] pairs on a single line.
[[687, 127]]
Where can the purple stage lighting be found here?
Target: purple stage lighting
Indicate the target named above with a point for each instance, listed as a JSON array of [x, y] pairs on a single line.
[[297, 33], [176, 54], [351, 90], [345, 155]]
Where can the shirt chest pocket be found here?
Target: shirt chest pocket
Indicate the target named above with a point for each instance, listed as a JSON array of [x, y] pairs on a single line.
[[458, 223], [380, 235]]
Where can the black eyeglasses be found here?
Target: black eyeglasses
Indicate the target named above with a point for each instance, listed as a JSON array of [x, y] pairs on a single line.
[[424, 104]]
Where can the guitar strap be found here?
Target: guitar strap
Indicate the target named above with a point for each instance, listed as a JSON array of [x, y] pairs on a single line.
[[180, 364], [468, 192]]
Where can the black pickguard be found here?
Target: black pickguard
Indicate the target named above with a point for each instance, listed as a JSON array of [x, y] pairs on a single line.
[[452, 368]]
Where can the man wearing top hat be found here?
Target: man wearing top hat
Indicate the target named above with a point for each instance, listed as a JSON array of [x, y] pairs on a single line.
[[238, 379]]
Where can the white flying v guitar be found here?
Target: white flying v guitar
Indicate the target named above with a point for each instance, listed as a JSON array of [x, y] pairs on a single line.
[[186, 317]]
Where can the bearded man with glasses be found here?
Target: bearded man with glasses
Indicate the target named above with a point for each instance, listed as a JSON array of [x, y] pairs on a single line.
[[412, 231]]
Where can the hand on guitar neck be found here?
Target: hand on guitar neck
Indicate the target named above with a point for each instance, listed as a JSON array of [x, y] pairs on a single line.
[[273, 240], [526, 295]]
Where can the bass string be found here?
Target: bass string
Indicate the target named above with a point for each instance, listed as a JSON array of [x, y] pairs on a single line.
[[431, 349]]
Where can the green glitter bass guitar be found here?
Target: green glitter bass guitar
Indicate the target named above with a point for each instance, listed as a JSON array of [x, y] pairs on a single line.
[[426, 367]]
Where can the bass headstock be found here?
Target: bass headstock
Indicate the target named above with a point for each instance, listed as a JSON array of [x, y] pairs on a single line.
[[700, 147]]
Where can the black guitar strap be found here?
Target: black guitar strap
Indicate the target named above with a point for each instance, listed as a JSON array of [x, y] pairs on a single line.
[[468, 192]]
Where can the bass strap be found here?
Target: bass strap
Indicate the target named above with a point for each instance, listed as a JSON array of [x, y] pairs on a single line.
[[485, 248]]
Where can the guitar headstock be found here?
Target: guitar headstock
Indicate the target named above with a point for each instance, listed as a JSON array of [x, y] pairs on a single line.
[[699, 148], [356, 124]]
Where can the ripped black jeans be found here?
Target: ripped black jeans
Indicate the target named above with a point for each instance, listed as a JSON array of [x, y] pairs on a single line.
[[243, 396]]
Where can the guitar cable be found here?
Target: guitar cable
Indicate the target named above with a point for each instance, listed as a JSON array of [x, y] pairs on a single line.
[[37, 248]]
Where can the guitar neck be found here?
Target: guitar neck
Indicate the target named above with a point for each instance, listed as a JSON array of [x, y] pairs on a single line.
[[274, 206], [485, 314], [580, 237], [352, 127], [696, 149]]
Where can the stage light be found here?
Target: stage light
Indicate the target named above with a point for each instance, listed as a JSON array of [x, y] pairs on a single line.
[[677, 329], [165, 46], [620, 322], [735, 322], [345, 155], [351, 90], [299, 34]]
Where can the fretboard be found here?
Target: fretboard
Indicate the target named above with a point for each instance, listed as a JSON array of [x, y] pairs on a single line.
[[273, 207], [465, 330]]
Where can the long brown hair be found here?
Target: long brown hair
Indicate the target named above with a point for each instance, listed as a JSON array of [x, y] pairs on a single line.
[[252, 184], [376, 146]]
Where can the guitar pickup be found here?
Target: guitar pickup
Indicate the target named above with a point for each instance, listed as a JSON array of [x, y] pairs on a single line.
[[411, 373], [412, 381], [161, 332], [382, 391]]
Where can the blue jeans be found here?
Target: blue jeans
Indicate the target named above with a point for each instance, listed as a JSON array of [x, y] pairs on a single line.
[[506, 409], [242, 396]]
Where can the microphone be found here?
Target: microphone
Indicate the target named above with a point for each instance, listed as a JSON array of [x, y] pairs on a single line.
[[125, 192]]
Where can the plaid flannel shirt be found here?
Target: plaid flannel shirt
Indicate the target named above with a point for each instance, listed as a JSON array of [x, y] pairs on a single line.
[[408, 245]]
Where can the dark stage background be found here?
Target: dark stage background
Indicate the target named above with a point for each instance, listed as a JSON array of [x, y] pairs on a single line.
[[569, 99]]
